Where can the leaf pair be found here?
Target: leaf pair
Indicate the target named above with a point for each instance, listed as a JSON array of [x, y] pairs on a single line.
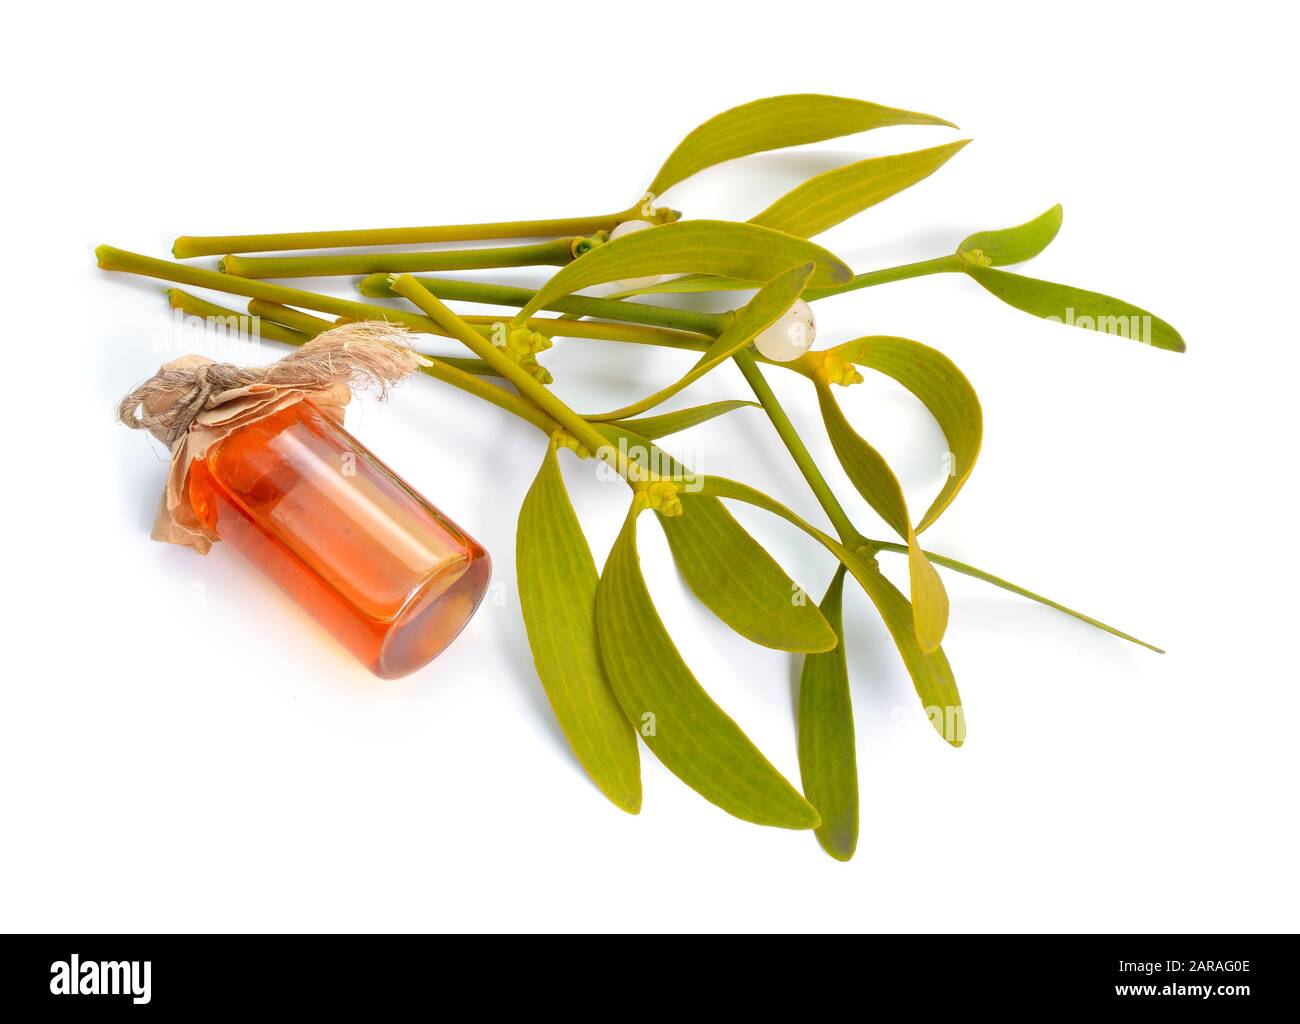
[[680, 723], [944, 390], [981, 253], [776, 122], [727, 570], [610, 669]]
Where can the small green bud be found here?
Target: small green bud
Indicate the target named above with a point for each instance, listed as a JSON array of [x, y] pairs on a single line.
[[867, 551], [662, 496], [534, 369], [839, 371], [584, 244], [561, 438], [524, 342], [975, 258]]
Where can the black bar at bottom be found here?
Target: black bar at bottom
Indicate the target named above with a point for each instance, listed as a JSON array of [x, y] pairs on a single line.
[[163, 975]]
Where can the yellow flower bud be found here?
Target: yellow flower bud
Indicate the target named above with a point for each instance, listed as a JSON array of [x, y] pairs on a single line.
[[662, 496], [839, 371]]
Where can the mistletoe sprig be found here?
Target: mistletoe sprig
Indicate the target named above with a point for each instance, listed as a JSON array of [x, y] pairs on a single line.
[[604, 657]]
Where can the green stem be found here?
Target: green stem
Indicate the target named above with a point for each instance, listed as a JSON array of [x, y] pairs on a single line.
[[938, 265], [553, 254], [798, 451], [443, 370], [181, 273], [248, 326], [378, 286], [535, 392], [216, 245], [279, 313]]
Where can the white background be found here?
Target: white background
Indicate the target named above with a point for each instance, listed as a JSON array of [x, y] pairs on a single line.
[[181, 749]]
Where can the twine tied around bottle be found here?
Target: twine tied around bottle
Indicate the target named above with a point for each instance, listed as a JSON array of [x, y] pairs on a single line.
[[356, 355], [192, 403]]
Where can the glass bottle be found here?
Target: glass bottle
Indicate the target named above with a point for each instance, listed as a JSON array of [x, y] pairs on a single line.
[[391, 577]]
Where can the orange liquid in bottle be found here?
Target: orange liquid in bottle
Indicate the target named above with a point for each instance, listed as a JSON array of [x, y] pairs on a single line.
[[380, 568]]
